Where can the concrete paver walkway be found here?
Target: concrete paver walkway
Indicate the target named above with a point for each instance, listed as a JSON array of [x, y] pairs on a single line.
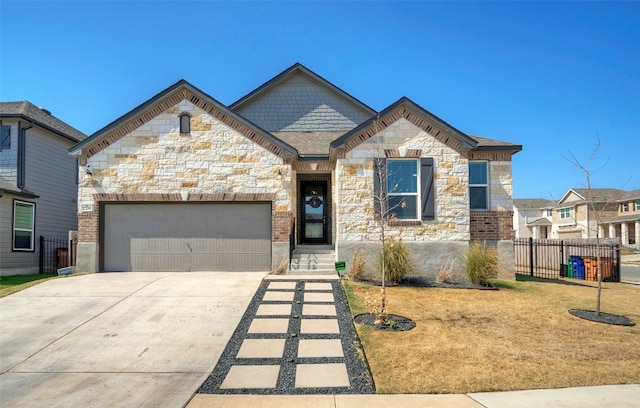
[[296, 337]]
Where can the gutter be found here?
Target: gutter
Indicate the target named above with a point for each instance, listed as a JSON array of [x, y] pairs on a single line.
[[22, 153]]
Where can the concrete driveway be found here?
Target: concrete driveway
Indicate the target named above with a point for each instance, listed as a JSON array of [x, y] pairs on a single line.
[[118, 339]]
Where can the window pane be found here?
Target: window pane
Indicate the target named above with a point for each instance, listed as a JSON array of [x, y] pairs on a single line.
[[23, 216], [409, 212], [477, 173], [402, 176], [478, 198], [22, 240]]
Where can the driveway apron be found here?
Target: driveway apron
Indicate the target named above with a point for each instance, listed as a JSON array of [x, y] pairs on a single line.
[[118, 339]]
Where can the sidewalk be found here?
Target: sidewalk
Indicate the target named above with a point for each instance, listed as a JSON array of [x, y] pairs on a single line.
[[606, 396]]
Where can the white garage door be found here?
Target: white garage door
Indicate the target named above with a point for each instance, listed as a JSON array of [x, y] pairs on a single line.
[[186, 237]]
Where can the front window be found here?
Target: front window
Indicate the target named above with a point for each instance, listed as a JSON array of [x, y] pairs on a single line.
[[549, 213], [402, 189], [479, 185], [23, 225], [637, 204], [565, 213], [625, 207]]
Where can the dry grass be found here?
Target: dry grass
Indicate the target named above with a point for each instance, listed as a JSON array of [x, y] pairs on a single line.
[[520, 337]]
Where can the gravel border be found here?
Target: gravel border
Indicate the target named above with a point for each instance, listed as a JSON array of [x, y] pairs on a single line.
[[358, 370]]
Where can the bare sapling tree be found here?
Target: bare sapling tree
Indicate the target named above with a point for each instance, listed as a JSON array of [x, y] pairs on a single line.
[[384, 211], [598, 211]]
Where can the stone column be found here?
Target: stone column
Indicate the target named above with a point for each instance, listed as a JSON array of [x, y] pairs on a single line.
[[536, 232], [624, 233], [612, 231], [601, 231]]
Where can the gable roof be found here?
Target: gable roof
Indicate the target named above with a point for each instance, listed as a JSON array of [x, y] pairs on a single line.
[[288, 73], [630, 195], [168, 98], [41, 117], [409, 110], [597, 195], [493, 144], [532, 203]]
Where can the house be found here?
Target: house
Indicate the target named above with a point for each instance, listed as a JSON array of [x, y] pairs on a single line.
[[578, 212], [626, 223], [38, 183], [532, 217], [184, 182]]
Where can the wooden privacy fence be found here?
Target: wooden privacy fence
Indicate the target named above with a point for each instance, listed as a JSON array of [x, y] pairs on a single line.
[[577, 259]]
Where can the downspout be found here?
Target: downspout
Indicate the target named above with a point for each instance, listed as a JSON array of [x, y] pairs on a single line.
[[22, 153]]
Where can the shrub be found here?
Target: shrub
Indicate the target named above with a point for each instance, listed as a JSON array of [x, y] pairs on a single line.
[[480, 263], [446, 274], [396, 260], [356, 270]]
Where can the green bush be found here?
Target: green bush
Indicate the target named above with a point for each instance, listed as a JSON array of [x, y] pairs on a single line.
[[396, 260], [480, 263]]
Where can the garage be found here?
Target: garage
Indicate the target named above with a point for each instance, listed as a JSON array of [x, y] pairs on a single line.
[[178, 237]]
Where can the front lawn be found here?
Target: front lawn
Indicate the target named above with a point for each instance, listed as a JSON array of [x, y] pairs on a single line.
[[519, 337], [16, 283]]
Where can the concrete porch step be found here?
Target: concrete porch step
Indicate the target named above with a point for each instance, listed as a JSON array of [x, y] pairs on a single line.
[[313, 260]]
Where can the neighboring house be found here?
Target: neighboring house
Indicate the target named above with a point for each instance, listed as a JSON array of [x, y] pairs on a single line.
[[626, 223], [576, 215], [183, 182], [532, 217], [38, 183]]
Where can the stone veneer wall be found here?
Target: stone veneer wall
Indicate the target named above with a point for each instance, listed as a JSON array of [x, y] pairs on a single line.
[[432, 243], [157, 163]]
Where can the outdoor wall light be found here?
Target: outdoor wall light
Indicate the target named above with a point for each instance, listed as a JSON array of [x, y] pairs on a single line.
[[88, 171]]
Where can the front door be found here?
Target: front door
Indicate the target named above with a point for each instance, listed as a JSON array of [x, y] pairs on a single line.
[[314, 212]]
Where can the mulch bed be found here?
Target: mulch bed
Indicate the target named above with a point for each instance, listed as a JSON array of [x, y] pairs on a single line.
[[399, 323], [607, 318]]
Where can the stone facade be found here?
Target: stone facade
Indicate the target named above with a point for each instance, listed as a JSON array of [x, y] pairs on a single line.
[[156, 162]]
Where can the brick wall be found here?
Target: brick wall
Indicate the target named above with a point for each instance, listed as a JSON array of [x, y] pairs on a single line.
[[491, 225]]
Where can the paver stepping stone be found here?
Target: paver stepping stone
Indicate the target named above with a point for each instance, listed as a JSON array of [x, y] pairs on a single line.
[[282, 285], [273, 310], [251, 376], [318, 297], [321, 375], [319, 326], [318, 310], [267, 325], [320, 348], [277, 296], [261, 348], [317, 286]]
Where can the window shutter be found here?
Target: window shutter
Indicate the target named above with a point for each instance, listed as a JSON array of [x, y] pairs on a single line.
[[5, 137], [426, 188], [379, 185]]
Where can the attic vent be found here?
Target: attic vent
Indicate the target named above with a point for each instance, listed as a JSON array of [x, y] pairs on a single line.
[[44, 110]]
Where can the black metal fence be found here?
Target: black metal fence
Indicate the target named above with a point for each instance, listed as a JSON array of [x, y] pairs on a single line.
[[576, 259], [54, 254]]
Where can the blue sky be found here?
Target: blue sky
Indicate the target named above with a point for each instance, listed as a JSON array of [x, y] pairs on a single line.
[[552, 76]]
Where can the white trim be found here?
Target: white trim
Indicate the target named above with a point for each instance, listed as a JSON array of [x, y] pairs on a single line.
[[32, 229]]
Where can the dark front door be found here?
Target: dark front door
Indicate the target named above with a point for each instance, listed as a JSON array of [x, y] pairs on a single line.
[[314, 212]]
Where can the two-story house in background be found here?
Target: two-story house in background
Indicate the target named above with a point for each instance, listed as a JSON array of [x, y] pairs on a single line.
[[532, 217], [38, 183], [626, 223]]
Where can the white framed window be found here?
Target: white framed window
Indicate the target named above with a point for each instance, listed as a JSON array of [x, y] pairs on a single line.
[[549, 213], [479, 185], [402, 188], [624, 207], [637, 205], [565, 213], [406, 186], [24, 214]]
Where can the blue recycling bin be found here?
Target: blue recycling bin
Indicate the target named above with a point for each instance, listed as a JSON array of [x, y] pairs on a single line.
[[578, 267]]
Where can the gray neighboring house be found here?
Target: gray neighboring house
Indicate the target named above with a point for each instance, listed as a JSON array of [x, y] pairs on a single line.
[[38, 183], [184, 182]]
